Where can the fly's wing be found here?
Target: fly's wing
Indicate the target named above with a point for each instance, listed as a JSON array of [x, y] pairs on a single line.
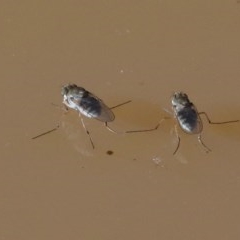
[[199, 126], [189, 120], [93, 107]]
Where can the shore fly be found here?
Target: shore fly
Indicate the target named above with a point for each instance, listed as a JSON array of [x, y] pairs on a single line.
[[189, 119], [87, 104]]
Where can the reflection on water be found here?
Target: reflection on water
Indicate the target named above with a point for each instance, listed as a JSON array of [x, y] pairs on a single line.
[[76, 136]]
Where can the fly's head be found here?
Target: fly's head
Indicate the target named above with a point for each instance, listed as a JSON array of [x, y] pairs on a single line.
[[72, 95], [73, 91], [180, 100]]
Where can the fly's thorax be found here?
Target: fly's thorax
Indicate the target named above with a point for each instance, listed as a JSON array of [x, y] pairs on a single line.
[[72, 90], [180, 100]]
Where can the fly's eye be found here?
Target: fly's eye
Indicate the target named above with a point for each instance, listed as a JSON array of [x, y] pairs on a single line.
[[64, 92]]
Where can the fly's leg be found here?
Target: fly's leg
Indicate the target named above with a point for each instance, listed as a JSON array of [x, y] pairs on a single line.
[[121, 104], [64, 107], [42, 134], [178, 138], [207, 149], [111, 130], [209, 121], [106, 124], [148, 130], [88, 133], [133, 131]]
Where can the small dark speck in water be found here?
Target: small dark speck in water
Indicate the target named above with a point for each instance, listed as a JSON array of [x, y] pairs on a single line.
[[109, 152]]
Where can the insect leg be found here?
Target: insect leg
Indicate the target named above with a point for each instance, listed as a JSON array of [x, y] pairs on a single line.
[[205, 114], [106, 123], [63, 107], [54, 129], [86, 131], [200, 140], [42, 134], [179, 140], [148, 130], [112, 130], [121, 104]]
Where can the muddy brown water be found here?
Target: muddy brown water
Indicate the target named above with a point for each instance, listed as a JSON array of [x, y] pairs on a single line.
[[130, 186]]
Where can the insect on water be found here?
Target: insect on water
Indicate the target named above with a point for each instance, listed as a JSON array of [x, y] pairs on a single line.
[[188, 119], [86, 104]]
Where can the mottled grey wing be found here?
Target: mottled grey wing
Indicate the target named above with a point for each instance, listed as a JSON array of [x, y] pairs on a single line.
[[93, 107], [189, 120]]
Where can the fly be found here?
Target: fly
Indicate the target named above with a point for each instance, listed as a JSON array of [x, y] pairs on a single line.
[[87, 104], [189, 119]]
